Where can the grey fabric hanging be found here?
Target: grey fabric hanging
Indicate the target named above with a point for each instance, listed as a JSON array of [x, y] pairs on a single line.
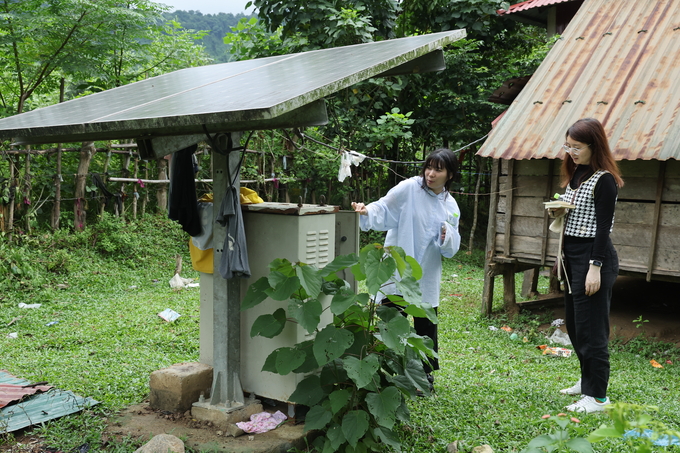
[[234, 261]]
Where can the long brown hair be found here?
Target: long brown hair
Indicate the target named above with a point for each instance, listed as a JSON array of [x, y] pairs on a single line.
[[591, 132]]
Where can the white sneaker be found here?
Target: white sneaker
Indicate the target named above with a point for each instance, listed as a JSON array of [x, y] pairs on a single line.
[[588, 404], [573, 390]]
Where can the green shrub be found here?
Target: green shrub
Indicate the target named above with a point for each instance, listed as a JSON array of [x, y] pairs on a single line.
[[363, 365]]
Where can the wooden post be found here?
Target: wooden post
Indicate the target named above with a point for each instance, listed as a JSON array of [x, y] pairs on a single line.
[[546, 219], [162, 192], [135, 194], [145, 200], [80, 215], [530, 282], [657, 214], [510, 190], [509, 299], [489, 273], [125, 174]]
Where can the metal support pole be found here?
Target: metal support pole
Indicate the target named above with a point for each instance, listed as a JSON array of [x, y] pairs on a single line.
[[226, 389]]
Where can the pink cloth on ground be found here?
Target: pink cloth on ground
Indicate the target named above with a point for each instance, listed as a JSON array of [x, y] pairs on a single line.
[[262, 422]]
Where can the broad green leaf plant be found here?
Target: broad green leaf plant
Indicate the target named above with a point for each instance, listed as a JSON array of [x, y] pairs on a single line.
[[361, 367]]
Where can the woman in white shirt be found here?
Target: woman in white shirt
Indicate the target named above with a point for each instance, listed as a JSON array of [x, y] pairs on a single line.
[[420, 216]]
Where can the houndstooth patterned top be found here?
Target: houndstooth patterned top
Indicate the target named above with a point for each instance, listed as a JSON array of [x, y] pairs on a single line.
[[581, 220]]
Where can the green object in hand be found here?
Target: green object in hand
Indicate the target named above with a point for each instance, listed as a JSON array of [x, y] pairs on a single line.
[[556, 196]]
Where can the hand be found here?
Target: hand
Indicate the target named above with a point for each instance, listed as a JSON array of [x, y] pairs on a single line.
[[360, 208], [442, 236], [593, 280], [556, 212]]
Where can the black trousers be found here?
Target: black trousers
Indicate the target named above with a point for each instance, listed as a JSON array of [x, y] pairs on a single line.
[[425, 328], [587, 317]]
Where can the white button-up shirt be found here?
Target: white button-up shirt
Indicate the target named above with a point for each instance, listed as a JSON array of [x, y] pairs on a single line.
[[413, 218]]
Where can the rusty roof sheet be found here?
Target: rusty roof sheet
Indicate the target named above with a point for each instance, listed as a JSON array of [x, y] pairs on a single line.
[[12, 393], [617, 61], [39, 407], [530, 4]]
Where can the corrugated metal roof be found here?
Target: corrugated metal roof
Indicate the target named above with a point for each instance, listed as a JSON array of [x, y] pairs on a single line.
[[10, 393], [530, 4], [617, 61], [38, 408]]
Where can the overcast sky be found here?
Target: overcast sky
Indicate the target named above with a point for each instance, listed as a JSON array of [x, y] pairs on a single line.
[[208, 6]]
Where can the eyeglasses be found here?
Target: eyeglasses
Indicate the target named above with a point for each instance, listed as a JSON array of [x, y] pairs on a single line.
[[573, 151]]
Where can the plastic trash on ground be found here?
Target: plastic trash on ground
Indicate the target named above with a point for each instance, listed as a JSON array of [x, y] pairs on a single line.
[[560, 337], [557, 352], [178, 282], [661, 440], [169, 315], [23, 305]]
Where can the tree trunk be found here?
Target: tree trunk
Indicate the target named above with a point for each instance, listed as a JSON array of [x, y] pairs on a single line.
[[27, 189], [12, 196], [56, 208], [162, 192], [476, 205], [80, 215], [107, 162]]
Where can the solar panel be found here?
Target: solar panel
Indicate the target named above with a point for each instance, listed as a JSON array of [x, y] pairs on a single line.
[[254, 94]]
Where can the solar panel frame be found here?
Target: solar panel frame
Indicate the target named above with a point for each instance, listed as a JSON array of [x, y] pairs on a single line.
[[243, 95]]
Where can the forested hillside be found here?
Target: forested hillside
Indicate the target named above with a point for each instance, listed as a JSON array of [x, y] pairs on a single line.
[[217, 25]]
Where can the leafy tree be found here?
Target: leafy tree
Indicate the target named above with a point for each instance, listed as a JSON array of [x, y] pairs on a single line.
[[66, 48], [216, 26], [42, 40], [325, 23]]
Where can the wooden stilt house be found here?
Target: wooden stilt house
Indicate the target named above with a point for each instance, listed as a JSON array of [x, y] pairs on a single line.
[[619, 62]]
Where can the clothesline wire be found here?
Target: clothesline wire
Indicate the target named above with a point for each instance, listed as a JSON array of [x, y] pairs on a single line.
[[377, 158]]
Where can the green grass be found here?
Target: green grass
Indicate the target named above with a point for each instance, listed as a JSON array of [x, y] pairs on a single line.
[[105, 287], [493, 390]]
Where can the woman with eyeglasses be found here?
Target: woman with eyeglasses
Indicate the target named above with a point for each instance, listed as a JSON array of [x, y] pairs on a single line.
[[592, 179]]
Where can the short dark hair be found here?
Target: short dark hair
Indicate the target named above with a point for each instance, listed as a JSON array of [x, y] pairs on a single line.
[[442, 158]]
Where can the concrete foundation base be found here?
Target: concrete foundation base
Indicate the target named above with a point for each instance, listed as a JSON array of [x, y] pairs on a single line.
[[225, 417]]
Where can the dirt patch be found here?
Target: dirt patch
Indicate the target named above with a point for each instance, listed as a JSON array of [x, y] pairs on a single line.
[[140, 422], [638, 308]]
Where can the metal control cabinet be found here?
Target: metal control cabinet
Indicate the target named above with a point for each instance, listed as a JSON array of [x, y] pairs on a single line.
[[313, 236]]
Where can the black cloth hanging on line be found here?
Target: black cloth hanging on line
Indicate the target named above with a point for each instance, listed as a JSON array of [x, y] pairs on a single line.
[[183, 205], [107, 194]]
